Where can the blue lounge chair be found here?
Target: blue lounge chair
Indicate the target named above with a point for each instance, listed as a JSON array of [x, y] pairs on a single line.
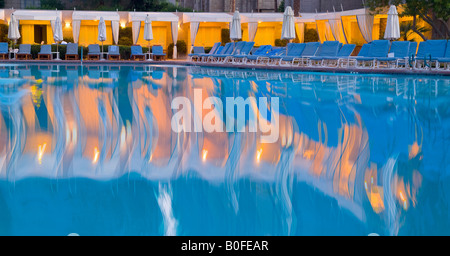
[[270, 58], [72, 51], [94, 52], [344, 52], [113, 52], [158, 52], [24, 52], [4, 51], [226, 51], [196, 51], [136, 53], [429, 51], [310, 50], [261, 51], [400, 51], [377, 49], [328, 49], [444, 60], [236, 50], [239, 58], [293, 50], [45, 52]]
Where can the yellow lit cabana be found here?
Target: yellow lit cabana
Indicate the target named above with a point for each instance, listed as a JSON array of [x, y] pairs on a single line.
[[305, 21], [262, 28], [85, 27], [164, 27], [203, 29], [36, 25], [329, 27]]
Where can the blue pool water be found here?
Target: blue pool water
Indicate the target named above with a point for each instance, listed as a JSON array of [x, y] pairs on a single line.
[[90, 150]]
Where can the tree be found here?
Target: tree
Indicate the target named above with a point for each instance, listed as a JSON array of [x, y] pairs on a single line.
[[434, 12], [406, 30], [296, 7]]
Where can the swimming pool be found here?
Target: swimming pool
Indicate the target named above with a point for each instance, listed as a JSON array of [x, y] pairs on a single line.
[[91, 150]]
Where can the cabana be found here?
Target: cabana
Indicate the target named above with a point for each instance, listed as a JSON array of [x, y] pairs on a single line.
[[329, 27], [203, 29], [261, 28], [305, 21], [36, 25], [164, 27], [85, 27]]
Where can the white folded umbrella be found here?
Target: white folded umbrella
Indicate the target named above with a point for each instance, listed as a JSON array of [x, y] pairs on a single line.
[[13, 29], [148, 32], [288, 29], [57, 33], [392, 31], [102, 32], [235, 27]]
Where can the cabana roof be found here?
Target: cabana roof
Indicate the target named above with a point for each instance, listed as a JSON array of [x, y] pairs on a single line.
[[154, 16], [338, 15], [95, 15], [306, 17], [206, 17], [36, 15], [261, 17]]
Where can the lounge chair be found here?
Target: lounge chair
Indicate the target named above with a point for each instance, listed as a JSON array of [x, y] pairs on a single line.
[[94, 52], [113, 52], [45, 53], [158, 52], [378, 49], [269, 58], [136, 53], [239, 58], [262, 51], [293, 50], [399, 50], [328, 49], [445, 61], [196, 51], [428, 53], [310, 50], [346, 61], [216, 49], [344, 52], [227, 50], [4, 54], [24, 52], [72, 51], [223, 58]]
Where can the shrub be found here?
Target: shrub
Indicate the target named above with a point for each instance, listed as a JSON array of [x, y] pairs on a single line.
[[311, 35], [225, 36], [181, 49], [281, 42], [125, 36], [68, 39], [125, 41]]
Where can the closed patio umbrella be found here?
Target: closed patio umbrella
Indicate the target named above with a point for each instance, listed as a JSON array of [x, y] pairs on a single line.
[[392, 25], [13, 30], [102, 32], [148, 32], [57, 34], [235, 27], [288, 29]]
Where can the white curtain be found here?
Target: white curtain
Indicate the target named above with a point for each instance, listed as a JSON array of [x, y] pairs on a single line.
[[365, 24], [252, 28], [328, 33], [174, 25], [115, 30], [76, 30], [300, 29], [194, 30], [337, 30], [135, 29]]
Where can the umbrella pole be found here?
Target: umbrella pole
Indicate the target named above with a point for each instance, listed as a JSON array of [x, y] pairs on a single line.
[[102, 52]]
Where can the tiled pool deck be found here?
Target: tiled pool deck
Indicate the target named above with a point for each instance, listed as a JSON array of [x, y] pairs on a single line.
[[243, 66]]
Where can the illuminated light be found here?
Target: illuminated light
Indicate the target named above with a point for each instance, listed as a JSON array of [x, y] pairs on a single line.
[[258, 154], [259, 22], [67, 24], [96, 153], [41, 150], [401, 196], [204, 154], [123, 25]]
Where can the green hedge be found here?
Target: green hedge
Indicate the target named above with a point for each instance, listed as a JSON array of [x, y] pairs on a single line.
[[181, 49], [311, 35]]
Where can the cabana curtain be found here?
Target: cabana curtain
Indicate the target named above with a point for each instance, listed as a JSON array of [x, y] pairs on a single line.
[[135, 29], [194, 30], [337, 30], [115, 31], [252, 28], [365, 24], [300, 29], [76, 30], [174, 26]]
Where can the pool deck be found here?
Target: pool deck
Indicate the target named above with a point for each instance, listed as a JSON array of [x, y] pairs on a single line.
[[240, 66]]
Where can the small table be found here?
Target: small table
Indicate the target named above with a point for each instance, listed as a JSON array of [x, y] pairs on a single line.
[[149, 56], [57, 55]]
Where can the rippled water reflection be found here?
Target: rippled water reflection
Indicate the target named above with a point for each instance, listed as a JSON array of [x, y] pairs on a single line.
[[90, 150]]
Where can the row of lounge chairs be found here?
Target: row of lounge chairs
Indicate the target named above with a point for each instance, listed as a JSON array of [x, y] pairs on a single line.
[[378, 53], [94, 52]]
